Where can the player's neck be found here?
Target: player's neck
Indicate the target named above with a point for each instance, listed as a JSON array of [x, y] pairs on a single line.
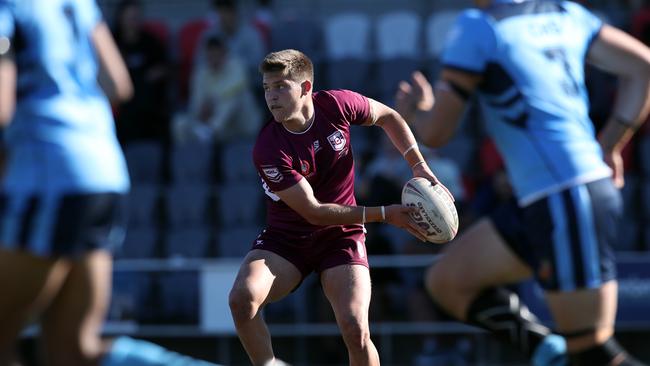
[[303, 121]]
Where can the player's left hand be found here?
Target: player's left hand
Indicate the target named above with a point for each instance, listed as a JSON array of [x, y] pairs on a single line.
[[414, 96], [423, 170]]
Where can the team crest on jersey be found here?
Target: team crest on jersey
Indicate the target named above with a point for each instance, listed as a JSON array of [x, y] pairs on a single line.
[[304, 167], [273, 174], [337, 140]]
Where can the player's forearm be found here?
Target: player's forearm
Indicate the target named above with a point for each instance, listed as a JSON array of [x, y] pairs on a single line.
[[436, 126], [402, 138], [335, 214], [630, 111], [113, 74], [7, 90]]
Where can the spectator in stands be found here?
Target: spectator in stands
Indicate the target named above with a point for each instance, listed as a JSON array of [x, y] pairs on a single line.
[[222, 106], [263, 20], [242, 38], [146, 116]]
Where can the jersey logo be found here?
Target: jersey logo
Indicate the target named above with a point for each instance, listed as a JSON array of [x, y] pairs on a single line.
[[273, 174], [316, 146], [337, 140]]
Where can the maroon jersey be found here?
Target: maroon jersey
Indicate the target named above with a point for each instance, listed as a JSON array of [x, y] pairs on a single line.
[[322, 154]]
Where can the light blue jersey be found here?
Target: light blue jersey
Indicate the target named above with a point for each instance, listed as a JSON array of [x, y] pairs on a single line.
[[531, 55], [61, 138]]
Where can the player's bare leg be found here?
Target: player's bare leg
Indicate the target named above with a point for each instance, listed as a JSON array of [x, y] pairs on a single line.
[[476, 260], [264, 277], [586, 318], [348, 290], [467, 283], [28, 284], [71, 326], [585, 310]]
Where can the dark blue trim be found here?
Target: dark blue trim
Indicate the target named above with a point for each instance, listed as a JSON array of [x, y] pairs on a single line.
[[463, 69], [574, 238], [592, 40], [27, 221]]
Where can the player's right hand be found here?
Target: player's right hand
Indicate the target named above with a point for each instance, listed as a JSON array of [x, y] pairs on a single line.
[[399, 215], [615, 161]]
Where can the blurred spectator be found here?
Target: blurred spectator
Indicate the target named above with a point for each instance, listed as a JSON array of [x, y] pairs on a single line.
[[145, 116], [242, 38], [263, 20], [222, 106], [640, 23]]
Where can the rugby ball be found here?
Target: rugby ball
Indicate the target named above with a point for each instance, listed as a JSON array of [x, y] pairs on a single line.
[[436, 213]]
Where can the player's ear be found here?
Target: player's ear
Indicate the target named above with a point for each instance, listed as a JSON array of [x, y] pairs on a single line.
[[306, 87]]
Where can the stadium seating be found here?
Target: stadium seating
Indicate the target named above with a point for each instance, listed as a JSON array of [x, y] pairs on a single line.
[[190, 242], [143, 200], [235, 242], [348, 51], [645, 195], [131, 297], [158, 28], [192, 163], [189, 36], [144, 160], [240, 204], [644, 153], [174, 286], [299, 34], [186, 205], [139, 242], [437, 27], [398, 41], [237, 162], [629, 236]]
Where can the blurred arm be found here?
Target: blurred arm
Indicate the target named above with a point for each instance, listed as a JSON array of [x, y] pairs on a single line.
[[7, 88], [436, 118], [113, 74], [621, 54]]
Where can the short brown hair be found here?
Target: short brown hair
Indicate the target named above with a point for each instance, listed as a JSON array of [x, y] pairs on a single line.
[[290, 63]]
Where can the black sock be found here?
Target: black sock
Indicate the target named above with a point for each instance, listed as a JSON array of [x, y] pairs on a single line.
[[500, 311], [603, 355]]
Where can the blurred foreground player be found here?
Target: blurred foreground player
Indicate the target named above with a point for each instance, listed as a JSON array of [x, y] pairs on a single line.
[[63, 190], [304, 157], [525, 62]]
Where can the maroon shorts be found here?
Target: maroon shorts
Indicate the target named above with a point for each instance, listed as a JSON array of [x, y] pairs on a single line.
[[317, 250]]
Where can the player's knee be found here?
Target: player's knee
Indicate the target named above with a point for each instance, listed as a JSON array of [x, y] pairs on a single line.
[[242, 306], [355, 331]]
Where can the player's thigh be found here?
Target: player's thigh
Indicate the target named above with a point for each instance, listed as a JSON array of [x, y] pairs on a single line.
[[265, 277], [584, 309], [348, 289], [27, 284], [73, 321], [477, 259]]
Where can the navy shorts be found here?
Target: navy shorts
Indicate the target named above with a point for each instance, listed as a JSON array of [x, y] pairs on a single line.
[[567, 237], [52, 224], [318, 250]]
